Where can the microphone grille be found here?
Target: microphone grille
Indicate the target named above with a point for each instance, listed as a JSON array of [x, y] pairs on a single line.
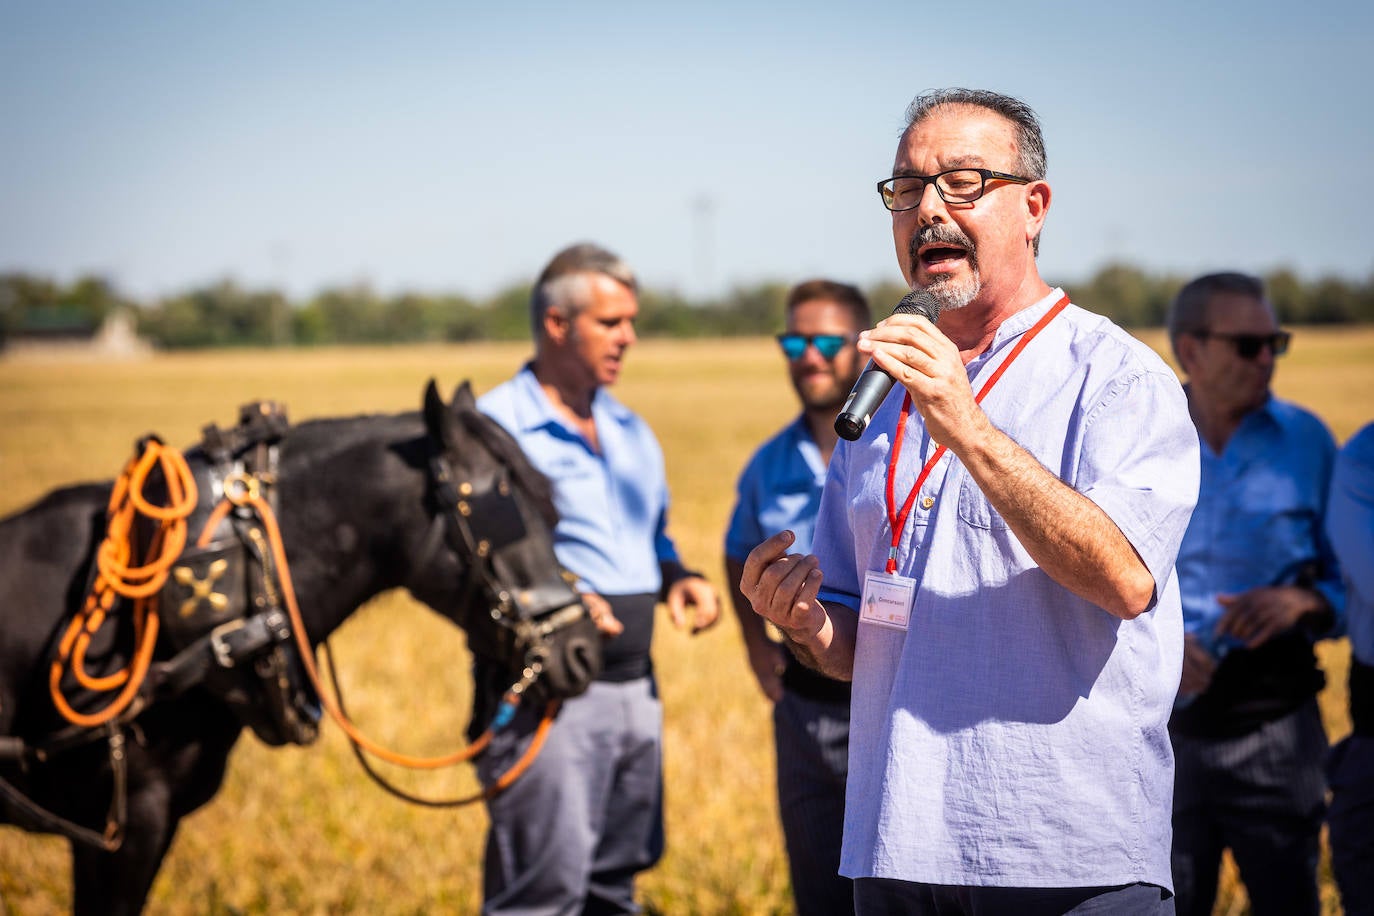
[[920, 302]]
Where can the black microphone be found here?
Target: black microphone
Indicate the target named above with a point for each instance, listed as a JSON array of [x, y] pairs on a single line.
[[873, 386]]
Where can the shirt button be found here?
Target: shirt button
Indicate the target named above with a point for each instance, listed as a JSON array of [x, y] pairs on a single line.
[[927, 502]]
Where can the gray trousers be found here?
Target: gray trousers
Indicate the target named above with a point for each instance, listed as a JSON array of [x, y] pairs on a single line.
[[570, 835], [811, 738], [1262, 795], [1351, 820]]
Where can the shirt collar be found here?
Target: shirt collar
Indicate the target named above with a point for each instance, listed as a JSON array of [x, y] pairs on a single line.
[[536, 410], [1263, 418], [1016, 325], [806, 445], [1268, 413]]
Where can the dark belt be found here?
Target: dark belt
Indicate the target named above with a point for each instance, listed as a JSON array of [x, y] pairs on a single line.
[[1362, 698], [1252, 687], [812, 685]]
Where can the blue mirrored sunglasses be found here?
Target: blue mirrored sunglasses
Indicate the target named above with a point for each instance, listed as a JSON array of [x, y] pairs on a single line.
[[794, 345]]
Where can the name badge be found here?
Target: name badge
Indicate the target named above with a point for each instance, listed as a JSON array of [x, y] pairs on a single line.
[[887, 599]]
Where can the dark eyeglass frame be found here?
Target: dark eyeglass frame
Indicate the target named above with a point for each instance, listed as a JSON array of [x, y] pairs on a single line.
[[1248, 346], [888, 195], [827, 345]]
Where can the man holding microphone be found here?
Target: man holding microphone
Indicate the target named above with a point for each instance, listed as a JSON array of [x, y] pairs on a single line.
[[1011, 516]]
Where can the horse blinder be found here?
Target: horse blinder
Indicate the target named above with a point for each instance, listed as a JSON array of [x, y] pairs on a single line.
[[540, 631]]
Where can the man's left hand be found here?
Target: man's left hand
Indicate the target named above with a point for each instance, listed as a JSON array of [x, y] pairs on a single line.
[[697, 593], [1256, 616]]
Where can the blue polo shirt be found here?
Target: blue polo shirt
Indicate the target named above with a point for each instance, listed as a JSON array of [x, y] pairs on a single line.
[[779, 489], [1260, 517], [613, 504]]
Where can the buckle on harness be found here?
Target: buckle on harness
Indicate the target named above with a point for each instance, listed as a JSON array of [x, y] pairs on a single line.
[[219, 646], [237, 639]]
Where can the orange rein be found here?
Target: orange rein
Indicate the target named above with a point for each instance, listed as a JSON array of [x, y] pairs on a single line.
[[240, 492], [116, 577]]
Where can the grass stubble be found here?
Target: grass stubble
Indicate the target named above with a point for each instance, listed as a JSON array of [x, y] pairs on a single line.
[[304, 830]]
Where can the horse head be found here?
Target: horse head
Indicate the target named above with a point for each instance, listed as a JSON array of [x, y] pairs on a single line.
[[493, 511]]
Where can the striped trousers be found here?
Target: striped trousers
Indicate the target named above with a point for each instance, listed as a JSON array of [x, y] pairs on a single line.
[[1263, 796]]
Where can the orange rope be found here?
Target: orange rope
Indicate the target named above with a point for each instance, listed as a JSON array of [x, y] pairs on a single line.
[[116, 578], [245, 496]]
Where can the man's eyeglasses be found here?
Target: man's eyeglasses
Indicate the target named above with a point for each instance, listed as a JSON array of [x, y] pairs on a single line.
[[956, 186], [1248, 346], [794, 345]]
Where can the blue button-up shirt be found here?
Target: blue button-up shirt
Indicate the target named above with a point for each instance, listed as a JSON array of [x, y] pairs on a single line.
[[779, 489], [1350, 526], [613, 504], [1260, 517], [1015, 734]]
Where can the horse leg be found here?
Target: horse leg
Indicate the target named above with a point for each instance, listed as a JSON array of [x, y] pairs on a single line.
[[117, 883], [170, 775]]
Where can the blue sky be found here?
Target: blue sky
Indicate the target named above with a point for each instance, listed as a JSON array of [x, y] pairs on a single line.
[[453, 147]]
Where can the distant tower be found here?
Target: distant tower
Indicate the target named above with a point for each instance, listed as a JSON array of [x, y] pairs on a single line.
[[703, 245]]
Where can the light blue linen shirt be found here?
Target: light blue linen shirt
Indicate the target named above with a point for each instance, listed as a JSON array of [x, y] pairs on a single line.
[[612, 505], [779, 489], [1015, 734], [1259, 517], [1350, 527]]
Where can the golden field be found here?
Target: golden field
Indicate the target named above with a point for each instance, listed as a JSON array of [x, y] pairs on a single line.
[[303, 830]]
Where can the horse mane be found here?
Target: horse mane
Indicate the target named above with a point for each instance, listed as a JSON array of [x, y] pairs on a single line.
[[328, 436], [503, 445]]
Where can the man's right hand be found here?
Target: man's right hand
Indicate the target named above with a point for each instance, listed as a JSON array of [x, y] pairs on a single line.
[[599, 609], [769, 661], [1198, 667]]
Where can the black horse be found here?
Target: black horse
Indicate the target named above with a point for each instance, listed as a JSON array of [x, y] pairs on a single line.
[[442, 503]]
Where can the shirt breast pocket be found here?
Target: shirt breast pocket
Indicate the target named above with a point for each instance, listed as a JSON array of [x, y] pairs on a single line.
[[565, 468], [975, 510]]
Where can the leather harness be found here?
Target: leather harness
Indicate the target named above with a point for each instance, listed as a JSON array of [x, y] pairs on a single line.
[[221, 610]]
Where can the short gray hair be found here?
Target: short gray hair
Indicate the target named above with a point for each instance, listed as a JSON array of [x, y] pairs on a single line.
[[1188, 312], [1031, 161], [563, 283], [1030, 142]]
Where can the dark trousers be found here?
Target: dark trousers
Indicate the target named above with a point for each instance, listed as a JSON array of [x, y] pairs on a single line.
[[812, 743], [1351, 820], [1262, 795], [569, 836], [886, 897]]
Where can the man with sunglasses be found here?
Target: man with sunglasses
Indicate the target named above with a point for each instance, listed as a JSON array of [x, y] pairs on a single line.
[[994, 560], [1260, 583], [780, 489]]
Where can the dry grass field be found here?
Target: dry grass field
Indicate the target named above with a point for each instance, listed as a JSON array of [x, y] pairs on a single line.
[[303, 830]]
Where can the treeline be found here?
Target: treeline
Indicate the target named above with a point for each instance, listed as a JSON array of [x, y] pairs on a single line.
[[226, 314]]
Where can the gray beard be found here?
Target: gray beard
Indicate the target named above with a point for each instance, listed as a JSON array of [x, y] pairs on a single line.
[[950, 293]]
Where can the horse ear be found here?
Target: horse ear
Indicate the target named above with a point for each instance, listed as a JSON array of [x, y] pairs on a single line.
[[438, 420], [463, 398]]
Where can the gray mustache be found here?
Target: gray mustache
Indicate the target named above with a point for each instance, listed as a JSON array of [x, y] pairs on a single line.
[[942, 233]]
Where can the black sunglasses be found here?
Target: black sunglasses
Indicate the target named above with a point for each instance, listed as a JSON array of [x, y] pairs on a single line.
[[794, 345], [1248, 346]]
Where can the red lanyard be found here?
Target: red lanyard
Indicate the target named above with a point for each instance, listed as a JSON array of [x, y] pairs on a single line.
[[897, 521]]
